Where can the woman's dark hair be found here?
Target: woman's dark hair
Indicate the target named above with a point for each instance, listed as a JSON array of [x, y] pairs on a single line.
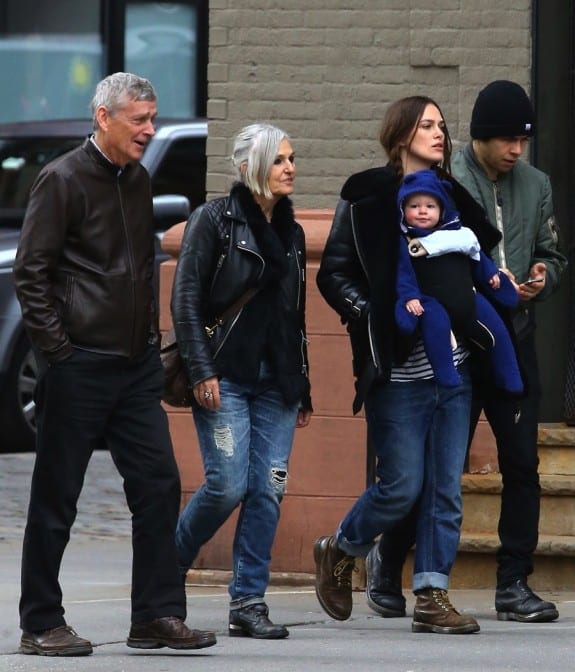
[[399, 125]]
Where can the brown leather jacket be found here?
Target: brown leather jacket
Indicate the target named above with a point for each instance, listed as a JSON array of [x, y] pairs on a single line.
[[84, 266]]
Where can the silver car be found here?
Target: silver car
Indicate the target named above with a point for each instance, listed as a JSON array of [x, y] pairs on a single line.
[[176, 161]]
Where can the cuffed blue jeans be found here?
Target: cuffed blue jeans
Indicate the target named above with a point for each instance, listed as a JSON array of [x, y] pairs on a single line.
[[245, 448], [419, 431]]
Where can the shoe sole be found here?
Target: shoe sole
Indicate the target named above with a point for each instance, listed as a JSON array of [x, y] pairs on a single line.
[[384, 612], [439, 630], [161, 643], [536, 617], [31, 650], [238, 631], [317, 556]]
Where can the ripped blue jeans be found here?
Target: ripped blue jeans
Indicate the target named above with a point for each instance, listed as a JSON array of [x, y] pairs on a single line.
[[245, 448]]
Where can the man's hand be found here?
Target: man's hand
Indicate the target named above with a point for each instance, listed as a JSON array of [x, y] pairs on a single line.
[[537, 277]]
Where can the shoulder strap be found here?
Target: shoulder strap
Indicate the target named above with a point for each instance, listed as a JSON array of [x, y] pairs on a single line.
[[237, 304], [233, 309]]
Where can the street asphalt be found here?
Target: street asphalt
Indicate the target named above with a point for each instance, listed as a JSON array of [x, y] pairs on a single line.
[[96, 582]]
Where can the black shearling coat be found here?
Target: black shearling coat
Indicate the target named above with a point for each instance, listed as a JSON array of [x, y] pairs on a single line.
[[357, 274]]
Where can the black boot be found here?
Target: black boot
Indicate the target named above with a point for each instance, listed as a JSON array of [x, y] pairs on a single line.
[[518, 602], [253, 621], [383, 589]]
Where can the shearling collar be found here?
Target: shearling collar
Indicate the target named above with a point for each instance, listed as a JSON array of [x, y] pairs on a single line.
[[369, 182]]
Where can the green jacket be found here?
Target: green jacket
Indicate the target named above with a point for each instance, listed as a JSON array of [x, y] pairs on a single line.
[[520, 205]]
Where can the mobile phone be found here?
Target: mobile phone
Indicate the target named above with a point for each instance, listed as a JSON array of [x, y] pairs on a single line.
[[532, 281]]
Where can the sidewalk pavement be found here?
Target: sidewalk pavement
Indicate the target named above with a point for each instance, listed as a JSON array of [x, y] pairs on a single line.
[[96, 574]]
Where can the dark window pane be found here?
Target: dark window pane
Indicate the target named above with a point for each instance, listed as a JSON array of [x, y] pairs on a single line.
[[183, 171]]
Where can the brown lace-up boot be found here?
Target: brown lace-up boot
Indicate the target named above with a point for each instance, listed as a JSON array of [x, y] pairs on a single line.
[[333, 578], [433, 612]]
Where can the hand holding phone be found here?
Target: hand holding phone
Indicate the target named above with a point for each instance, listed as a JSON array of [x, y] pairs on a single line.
[[532, 281]]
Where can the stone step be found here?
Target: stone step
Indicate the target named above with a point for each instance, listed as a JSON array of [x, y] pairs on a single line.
[[475, 565], [482, 503], [556, 447], [549, 544], [557, 460]]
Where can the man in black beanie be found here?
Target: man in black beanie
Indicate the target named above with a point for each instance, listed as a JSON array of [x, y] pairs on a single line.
[[518, 201]]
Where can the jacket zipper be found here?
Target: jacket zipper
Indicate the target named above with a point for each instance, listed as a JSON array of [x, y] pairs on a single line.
[[300, 275], [499, 222], [130, 258], [364, 267], [300, 283], [304, 341]]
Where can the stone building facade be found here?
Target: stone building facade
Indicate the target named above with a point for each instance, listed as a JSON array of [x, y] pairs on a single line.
[[324, 70]]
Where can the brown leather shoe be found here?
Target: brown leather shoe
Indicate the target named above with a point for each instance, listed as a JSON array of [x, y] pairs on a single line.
[[169, 631], [433, 612], [333, 578], [61, 641]]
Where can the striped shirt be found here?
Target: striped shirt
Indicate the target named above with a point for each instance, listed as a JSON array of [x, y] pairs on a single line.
[[417, 366]]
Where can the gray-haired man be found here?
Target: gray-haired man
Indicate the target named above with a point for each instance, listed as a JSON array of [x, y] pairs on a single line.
[[83, 276]]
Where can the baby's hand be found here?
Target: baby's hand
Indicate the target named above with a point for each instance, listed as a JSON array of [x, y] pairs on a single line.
[[495, 282], [414, 307]]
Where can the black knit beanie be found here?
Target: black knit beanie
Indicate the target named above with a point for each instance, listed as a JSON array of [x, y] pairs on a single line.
[[502, 109]]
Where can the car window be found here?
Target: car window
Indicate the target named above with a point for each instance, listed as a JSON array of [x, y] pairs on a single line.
[[20, 162], [183, 171]]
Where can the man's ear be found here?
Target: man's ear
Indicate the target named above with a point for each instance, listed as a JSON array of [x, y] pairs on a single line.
[[102, 117]]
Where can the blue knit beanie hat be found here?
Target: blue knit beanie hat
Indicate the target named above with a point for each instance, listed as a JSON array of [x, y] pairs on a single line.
[[425, 182], [428, 182]]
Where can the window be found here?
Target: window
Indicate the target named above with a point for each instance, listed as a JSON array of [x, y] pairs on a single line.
[[183, 171], [52, 54], [161, 45], [50, 59]]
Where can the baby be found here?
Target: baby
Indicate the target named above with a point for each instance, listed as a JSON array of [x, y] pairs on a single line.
[[446, 284]]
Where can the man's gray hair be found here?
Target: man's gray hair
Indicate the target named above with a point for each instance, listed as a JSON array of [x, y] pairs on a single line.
[[256, 146], [116, 90]]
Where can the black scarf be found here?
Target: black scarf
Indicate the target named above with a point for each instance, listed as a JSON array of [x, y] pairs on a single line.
[[268, 328]]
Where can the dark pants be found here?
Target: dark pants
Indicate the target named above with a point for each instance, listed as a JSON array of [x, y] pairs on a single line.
[[94, 401], [518, 464]]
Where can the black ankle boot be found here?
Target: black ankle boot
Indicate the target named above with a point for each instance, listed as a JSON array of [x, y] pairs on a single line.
[[253, 622], [383, 590]]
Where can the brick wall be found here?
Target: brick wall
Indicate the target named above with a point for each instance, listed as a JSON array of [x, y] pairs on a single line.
[[324, 70]]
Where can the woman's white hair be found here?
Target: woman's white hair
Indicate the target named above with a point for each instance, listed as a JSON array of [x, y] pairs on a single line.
[[255, 149], [116, 90]]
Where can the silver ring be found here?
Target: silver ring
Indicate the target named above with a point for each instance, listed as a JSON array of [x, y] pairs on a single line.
[[208, 394]]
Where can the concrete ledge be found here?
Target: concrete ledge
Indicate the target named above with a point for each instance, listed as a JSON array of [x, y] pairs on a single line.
[[214, 577], [551, 484], [555, 545]]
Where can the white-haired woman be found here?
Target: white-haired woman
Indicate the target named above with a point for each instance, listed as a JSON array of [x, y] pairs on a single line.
[[238, 307]]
